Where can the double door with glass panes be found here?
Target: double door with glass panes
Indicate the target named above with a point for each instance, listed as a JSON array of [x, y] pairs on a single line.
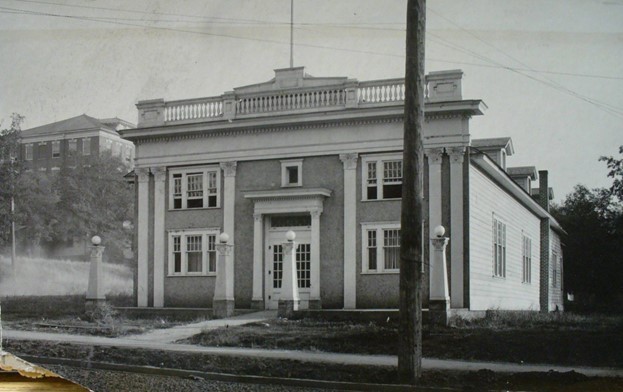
[[275, 257]]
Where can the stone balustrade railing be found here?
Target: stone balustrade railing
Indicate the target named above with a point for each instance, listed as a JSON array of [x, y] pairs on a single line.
[[441, 86]]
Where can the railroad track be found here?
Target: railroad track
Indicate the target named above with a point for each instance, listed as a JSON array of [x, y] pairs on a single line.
[[224, 377]]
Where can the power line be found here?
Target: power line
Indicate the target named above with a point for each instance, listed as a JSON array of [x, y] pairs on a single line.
[[601, 105]]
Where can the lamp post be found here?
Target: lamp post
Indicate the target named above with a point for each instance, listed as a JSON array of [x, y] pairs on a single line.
[[223, 304], [289, 299], [95, 292], [439, 303]]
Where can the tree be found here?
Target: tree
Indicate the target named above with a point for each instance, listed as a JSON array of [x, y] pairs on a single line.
[[616, 172], [94, 199], [593, 244], [9, 172]]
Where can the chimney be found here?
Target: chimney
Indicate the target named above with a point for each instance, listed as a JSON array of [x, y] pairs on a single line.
[[543, 190]]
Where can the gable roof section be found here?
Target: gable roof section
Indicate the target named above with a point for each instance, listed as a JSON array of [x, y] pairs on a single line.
[[74, 124], [523, 171], [489, 167], [496, 143]]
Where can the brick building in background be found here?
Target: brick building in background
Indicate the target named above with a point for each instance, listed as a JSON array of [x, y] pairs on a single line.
[[46, 148]]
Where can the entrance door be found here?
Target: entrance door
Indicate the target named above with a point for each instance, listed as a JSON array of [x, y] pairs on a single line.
[[274, 264]]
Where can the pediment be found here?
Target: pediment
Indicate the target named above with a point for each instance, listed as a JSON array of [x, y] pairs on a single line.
[[290, 78]]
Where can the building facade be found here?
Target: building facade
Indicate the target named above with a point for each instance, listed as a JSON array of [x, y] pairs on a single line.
[[45, 147], [323, 157]]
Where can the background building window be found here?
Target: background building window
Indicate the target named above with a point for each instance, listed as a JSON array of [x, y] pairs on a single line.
[[72, 145], [56, 149], [194, 188], [192, 252], [28, 152], [86, 146], [499, 248], [384, 256], [382, 177]]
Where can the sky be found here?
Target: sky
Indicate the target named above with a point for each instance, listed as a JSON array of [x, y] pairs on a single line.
[[550, 71]]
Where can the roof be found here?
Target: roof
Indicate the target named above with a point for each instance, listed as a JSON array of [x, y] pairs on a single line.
[[78, 123], [496, 143], [522, 171], [503, 179]]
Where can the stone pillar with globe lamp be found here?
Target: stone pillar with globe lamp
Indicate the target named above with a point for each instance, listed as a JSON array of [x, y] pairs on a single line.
[[439, 304], [95, 292], [289, 299], [223, 301]]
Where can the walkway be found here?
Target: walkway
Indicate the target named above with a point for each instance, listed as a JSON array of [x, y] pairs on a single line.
[[161, 340]]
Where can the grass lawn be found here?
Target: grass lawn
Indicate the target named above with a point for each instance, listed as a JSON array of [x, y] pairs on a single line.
[[564, 339], [65, 314]]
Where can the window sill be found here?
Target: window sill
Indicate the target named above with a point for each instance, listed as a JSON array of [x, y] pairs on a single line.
[[208, 275], [390, 272], [194, 209], [377, 200]]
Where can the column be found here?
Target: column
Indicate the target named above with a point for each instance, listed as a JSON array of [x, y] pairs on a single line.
[[257, 301], [434, 192], [314, 296], [457, 155], [350, 229], [159, 239], [229, 199], [143, 235]]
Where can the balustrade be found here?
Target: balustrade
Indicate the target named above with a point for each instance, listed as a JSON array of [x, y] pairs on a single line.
[[362, 94]]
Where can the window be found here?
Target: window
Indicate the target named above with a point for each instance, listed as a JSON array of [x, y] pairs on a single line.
[[527, 259], [28, 152], [303, 266], [192, 252], [554, 269], [499, 248], [72, 145], [292, 172], [381, 247], [86, 146], [56, 149], [194, 188], [382, 177]]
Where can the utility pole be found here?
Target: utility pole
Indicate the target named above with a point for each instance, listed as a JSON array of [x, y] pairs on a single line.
[[410, 328]]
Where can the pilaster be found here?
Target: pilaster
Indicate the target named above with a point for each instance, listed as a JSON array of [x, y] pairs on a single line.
[[160, 174], [350, 229], [314, 296], [457, 155], [143, 235], [435, 156], [257, 301], [229, 199]]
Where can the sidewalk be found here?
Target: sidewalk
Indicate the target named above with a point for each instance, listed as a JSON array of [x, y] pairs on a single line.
[[161, 340]]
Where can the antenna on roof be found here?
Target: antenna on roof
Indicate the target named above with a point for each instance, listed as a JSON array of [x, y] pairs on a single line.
[[291, 33]]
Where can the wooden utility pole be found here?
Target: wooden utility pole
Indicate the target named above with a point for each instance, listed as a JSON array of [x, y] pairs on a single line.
[[410, 329]]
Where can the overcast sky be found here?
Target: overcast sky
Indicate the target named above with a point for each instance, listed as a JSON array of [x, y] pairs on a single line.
[[550, 71]]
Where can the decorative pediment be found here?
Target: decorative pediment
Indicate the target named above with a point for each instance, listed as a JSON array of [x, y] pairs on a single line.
[[289, 78], [284, 201]]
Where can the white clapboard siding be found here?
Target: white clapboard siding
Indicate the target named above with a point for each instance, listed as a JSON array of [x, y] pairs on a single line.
[[487, 199]]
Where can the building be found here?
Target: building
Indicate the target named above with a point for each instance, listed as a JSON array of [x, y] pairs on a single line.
[[45, 147], [323, 157]]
